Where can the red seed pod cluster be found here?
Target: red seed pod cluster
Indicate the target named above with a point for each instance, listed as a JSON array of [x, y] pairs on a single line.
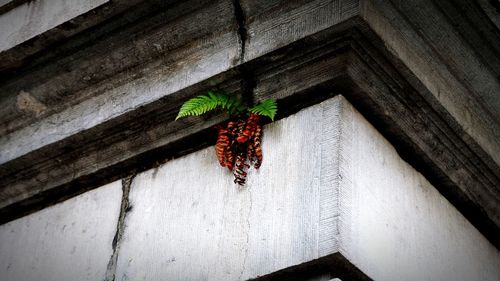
[[239, 145], [222, 144]]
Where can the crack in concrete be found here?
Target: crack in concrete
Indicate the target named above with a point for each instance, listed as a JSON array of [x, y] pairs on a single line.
[[242, 30], [120, 227], [247, 235], [247, 83]]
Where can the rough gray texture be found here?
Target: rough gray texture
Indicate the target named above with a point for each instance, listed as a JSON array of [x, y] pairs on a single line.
[[329, 183], [119, 100], [35, 17], [190, 222], [68, 36], [4, 2], [124, 209], [81, 115], [173, 71], [167, 65], [491, 8], [419, 34], [68, 241], [277, 23]]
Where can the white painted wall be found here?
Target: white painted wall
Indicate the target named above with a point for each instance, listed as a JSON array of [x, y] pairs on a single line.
[[68, 241], [35, 17]]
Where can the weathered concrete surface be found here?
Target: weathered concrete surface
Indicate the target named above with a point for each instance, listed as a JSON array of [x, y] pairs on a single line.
[[463, 79], [277, 23], [491, 8], [68, 241], [71, 34], [75, 103], [454, 61], [35, 17], [329, 183], [394, 225], [179, 64], [4, 2]]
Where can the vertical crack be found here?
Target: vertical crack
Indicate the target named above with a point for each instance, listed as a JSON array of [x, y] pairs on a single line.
[[247, 81], [242, 30], [245, 258], [248, 85], [124, 209]]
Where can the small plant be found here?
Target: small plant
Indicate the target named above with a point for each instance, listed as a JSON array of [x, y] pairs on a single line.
[[239, 140]]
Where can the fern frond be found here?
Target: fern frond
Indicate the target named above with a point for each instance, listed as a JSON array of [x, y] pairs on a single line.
[[204, 103], [197, 106], [266, 108]]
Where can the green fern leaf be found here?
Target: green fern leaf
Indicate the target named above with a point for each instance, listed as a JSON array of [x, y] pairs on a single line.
[[212, 100], [266, 108]]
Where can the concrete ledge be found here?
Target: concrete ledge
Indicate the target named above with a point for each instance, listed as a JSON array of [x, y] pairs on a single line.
[[271, 25]]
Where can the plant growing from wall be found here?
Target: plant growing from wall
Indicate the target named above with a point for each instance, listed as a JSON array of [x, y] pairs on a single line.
[[239, 140]]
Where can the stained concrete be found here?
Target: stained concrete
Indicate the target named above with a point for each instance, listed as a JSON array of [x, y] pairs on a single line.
[[462, 79], [68, 241], [35, 17], [430, 46], [182, 63], [277, 23]]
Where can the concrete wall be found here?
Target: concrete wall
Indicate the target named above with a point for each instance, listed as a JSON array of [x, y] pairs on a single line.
[[330, 183], [394, 225], [189, 221], [68, 241]]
